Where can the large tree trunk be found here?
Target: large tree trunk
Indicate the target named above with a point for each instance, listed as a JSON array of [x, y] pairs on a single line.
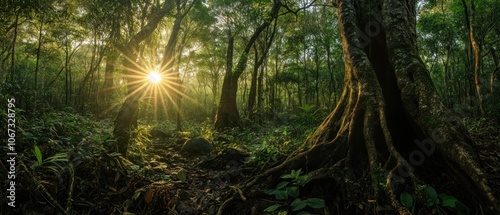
[[389, 131], [227, 112]]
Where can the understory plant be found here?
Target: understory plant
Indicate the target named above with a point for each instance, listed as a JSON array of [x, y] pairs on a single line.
[[434, 201], [286, 194]]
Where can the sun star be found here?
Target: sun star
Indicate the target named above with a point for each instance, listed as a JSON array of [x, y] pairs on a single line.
[[154, 77]]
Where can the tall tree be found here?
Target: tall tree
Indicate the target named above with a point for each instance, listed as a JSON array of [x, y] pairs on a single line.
[[227, 112], [390, 130], [126, 120]]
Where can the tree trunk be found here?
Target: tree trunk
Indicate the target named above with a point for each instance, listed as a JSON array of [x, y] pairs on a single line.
[[13, 54], [108, 88], [38, 50], [477, 57], [227, 112], [389, 131], [252, 95], [126, 119]]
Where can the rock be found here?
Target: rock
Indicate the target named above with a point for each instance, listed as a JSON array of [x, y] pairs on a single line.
[[197, 147]]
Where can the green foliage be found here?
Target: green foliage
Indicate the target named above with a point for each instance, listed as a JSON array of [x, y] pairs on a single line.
[[38, 155], [437, 202], [406, 200], [140, 142], [287, 194]]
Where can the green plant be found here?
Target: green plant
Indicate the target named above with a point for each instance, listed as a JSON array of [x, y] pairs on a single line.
[[287, 194], [436, 202], [38, 155]]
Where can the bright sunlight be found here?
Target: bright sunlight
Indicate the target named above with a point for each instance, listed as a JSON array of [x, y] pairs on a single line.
[[154, 77]]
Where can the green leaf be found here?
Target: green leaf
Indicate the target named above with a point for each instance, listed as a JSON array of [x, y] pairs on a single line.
[[287, 176], [303, 180], [315, 202], [272, 208], [268, 191], [280, 194], [293, 191], [298, 204], [59, 157], [304, 213], [406, 200], [431, 194], [105, 137], [448, 201], [281, 185], [38, 155]]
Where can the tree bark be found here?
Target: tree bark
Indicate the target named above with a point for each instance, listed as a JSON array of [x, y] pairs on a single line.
[[390, 130]]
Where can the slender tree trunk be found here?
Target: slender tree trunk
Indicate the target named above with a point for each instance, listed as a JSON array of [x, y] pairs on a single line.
[[390, 130], [477, 57], [253, 84], [67, 72], [260, 89], [38, 50], [493, 74], [13, 52]]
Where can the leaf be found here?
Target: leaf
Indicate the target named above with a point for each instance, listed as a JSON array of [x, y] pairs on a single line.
[[304, 213], [115, 154], [281, 185], [137, 193], [182, 175], [406, 200], [287, 176], [59, 157], [38, 155], [105, 137], [293, 191], [298, 204], [315, 202], [448, 201], [272, 208], [280, 194], [149, 196], [431, 194], [303, 180], [269, 191]]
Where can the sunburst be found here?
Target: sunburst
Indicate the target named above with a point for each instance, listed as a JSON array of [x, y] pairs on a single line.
[[157, 84], [154, 77]]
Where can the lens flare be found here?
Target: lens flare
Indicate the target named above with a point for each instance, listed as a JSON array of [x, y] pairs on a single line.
[[154, 77]]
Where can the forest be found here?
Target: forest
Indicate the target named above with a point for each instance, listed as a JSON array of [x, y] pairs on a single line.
[[249, 107]]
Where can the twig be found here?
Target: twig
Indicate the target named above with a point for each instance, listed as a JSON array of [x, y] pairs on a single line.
[[238, 190], [224, 205]]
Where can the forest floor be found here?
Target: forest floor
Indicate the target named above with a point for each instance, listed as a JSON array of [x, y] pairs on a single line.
[[157, 178]]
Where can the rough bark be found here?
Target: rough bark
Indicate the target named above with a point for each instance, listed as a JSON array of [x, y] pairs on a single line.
[[390, 130]]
